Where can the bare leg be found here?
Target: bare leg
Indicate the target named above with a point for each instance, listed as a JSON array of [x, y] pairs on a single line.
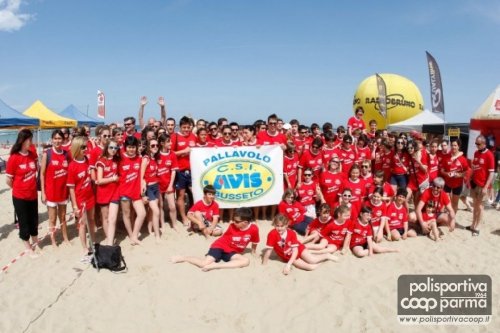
[[172, 211], [126, 217], [112, 217], [317, 258], [61, 211], [381, 249], [299, 263], [237, 261], [52, 224], [360, 252], [105, 219], [140, 212], [197, 261], [181, 206], [154, 212], [395, 235]]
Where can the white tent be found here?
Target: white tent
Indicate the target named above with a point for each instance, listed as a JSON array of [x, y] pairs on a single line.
[[425, 117]]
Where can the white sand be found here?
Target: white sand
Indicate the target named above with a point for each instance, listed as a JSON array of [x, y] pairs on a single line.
[[57, 293]]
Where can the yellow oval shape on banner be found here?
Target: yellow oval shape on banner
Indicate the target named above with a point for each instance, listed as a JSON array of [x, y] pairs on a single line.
[[239, 180], [404, 99]]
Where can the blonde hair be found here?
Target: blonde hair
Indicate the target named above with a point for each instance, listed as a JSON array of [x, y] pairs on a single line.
[[76, 145], [281, 220]]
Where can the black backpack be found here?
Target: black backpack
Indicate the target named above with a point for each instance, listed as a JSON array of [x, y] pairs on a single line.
[[109, 257]]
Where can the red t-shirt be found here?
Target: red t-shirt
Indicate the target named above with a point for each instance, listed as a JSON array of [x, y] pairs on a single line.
[[79, 179], [362, 154], [482, 164], [283, 246], [378, 212], [95, 154], [327, 155], [457, 165], [56, 175], [181, 142], [335, 233], [313, 161], [360, 233], [166, 164], [207, 211], [151, 174], [264, 138], [358, 192], [330, 184], [129, 171], [346, 157], [307, 193], [400, 163], [107, 192], [397, 216], [22, 169], [290, 165], [440, 200], [294, 212], [318, 225], [433, 166], [236, 240], [302, 145], [428, 217], [220, 143], [355, 123]]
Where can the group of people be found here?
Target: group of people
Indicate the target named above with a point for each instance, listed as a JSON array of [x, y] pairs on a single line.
[[346, 189]]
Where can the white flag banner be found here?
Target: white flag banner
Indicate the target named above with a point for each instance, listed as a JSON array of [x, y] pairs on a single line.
[[242, 176]]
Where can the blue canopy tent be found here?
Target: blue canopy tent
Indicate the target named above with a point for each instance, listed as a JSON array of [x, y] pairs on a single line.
[[10, 118], [72, 112]]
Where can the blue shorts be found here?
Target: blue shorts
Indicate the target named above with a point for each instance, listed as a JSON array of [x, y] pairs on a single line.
[[399, 180], [301, 227], [183, 180], [125, 198], [455, 191], [219, 254], [153, 192]]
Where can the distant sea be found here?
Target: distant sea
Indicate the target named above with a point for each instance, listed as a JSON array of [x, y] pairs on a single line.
[[8, 137]]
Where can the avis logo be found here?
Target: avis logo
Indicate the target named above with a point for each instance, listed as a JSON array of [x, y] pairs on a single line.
[[239, 180]]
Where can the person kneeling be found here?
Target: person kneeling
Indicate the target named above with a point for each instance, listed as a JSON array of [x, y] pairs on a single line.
[[204, 214]]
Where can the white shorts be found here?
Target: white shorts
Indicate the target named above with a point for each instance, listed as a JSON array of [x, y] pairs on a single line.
[[310, 211], [55, 204]]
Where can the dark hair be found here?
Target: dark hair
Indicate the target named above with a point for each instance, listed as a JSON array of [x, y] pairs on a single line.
[[57, 132], [340, 210], [341, 129], [22, 136], [272, 116], [163, 137], [365, 209], [294, 122], [329, 136], [249, 128], [132, 119], [327, 127], [314, 126], [220, 121], [145, 130], [317, 142], [131, 141], [185, 121], [379, 189], [401, 191], [244, 213], [147, 149], [117, 130], [209, 189]]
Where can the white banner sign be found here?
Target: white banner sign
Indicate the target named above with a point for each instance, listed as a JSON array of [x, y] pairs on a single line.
[[242, 176]]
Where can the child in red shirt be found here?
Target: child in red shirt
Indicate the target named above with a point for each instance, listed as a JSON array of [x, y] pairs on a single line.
[[397, 213], [286, 245], [204, 214], [336, 236], [313, 232], [230, 246]]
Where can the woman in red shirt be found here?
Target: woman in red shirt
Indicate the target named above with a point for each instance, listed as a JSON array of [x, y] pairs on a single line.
[[80, 191], [107, 188], [167, 167], [150, 184], [53, 177], [21, 178]]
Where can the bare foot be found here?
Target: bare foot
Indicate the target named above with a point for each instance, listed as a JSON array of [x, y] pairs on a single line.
[[135, 241], [209, 267], [176, 259], [157, 240], [32, 254]]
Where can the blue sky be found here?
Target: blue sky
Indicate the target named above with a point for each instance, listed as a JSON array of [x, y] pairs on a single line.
[[243, 59]]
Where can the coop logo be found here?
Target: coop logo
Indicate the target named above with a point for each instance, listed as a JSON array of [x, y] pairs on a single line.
[[238, 180]]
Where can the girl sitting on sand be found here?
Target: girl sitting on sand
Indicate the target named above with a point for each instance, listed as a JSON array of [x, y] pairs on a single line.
[[313, 232], [294, 211], [397, 213], [362, 244], [336, 236], [286, 245], [379, 213]]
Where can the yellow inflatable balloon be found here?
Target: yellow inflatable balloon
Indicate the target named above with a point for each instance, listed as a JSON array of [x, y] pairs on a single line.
[[404, 99]]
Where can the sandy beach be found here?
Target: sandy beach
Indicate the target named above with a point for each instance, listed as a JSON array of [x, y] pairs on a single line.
[[57, 293]]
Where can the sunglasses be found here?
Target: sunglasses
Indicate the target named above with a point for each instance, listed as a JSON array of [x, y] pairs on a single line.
[[438, 187], [154, 145], [234, 129], [366, 167], [128, 124], [303, 132], [478, 143], [347, 195], [400, 142], [213, 129], [308, 174], [226, 133], [272, 123], [105, 136], [113, 147]]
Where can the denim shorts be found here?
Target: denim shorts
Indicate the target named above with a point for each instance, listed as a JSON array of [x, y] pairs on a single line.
[[153, 192], [183, 179]]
